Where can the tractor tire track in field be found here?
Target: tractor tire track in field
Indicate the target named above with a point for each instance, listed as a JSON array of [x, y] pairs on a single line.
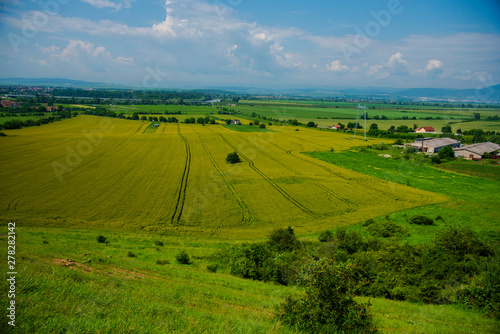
[[16, 200], [181, 197], [246, 215], [268, 179], [351, 206], [139, 128]]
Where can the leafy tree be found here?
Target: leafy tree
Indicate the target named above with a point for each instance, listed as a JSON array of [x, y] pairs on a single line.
[[283, 240], [256, 122], [326, 236], [477, 116], [446, 152], [233, 158], [311, 125], [262, 125], [446, 129], [374, 126]]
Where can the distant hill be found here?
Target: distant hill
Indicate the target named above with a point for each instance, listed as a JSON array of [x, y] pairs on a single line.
[[60, 82], [489, 94]]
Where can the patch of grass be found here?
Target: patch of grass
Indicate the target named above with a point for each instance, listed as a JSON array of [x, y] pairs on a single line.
[[488, 169], [247, 128], [472, 201]]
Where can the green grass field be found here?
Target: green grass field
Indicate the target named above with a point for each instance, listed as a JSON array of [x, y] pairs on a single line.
[[68, 282]]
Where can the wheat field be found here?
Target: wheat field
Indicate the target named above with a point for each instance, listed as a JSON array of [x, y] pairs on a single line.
[[112, 174]]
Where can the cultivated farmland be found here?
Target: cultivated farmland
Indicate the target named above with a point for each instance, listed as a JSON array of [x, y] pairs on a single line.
[[108, 173]]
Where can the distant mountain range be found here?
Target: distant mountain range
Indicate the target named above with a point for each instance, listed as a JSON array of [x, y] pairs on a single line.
[[488, 94]]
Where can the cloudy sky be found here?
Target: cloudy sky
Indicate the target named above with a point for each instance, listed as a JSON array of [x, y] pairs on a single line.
[[180, 43]]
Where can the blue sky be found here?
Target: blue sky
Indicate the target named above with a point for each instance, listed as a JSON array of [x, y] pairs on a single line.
[[201, 43]]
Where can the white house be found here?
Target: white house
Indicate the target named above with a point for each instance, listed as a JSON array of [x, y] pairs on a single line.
[[236, 122], [476, 151]]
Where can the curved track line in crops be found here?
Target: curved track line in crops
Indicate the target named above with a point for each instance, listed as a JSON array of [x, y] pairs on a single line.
[[176, 217], [245, 211], [268, 179], [351, 206], [139, 128], [15, 205]]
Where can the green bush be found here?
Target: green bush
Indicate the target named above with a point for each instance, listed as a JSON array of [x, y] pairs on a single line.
[[212, 268], [351, 242], [446, 153], [381, 146], [252, 261], [387, 229], [410, 149], [326, 236], [2, 134], [158, 243], [101, 239], [183, 257], [328, 305], [283, 240], [421, 220], [435, 159], [162, 262], [131, 254]]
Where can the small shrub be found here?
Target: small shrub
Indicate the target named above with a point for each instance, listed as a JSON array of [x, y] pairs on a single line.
[[131, 254], [328, 305], [410, 149], [369, 222], [212, 268], [45, 242], [262, 126], [387, 230], [381, 146], [183, 257], [162, 262], [438, 217], [102, 239], [159, 243], [435, 159], [326, 236], [2, 134], [421, 220]]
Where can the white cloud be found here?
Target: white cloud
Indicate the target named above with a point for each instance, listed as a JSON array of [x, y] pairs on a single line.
[[433, 64], [201, 39], [109, 4], [336, 66]]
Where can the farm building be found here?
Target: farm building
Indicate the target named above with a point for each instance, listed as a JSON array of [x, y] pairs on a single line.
[[433, 145], [336, 127], [476, 151], [425, 129], [236, 122]]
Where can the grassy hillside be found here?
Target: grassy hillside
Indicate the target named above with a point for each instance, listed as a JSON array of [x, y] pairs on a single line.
[[68, 282]]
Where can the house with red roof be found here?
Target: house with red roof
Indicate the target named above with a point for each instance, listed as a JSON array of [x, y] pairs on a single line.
[[425, 129]]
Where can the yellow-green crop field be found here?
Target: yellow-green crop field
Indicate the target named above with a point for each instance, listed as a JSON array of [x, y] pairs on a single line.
[[102, 173]]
